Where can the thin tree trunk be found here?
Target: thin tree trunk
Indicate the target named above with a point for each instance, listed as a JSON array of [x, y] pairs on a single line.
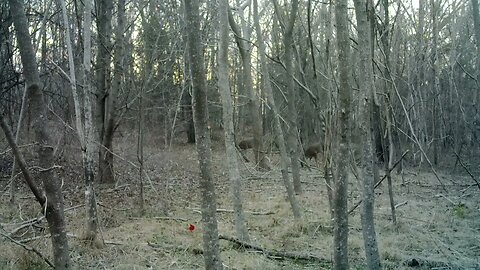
[[200, 114], [340, 254], [277, 125], [105, 99], [253, 103], [91, 232], [140, 146], [388, 167], [231, 151], [292, 130], [53, 189], [367, 157], [87, 150], [292, 98], [476, 25], [13, 181]]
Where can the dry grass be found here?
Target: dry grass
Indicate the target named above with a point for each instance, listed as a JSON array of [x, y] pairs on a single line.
[[432, 229]]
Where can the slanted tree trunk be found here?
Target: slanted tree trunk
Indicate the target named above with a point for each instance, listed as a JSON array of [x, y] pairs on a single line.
[[13, 181], [202, 137], [367, 157], [52, 185], [340, 254], [231, 151], [253, 103], [278, 128]]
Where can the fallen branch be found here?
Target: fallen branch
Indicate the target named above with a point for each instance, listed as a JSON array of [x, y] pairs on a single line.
[[379, 182], [26, 224], [113, 208], [194, 250], [29, 248], [104, 241], [276, 254], [162, 218], [400, 204], [221, 210]]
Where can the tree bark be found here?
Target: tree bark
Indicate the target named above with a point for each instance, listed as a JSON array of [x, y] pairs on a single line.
[[202, 137], [52, 185], [340, 254]]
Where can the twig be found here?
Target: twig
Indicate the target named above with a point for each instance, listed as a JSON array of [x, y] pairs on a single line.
[[28, 223], [73, 207], [465, 167], [29, 248], [400, 204], [446, 198], [275, 254], [379, 182], [113, 208]]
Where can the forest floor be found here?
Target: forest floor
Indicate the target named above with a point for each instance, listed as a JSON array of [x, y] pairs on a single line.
[[435, 228]]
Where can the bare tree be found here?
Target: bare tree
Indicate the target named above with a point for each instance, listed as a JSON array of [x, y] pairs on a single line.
[[202, 137], [52, 185], [340, 254]]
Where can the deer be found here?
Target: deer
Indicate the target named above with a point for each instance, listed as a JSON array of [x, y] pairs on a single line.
[[313, 151], [244, 145]]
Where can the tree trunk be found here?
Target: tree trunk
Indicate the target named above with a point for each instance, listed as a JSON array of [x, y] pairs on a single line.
[[253, 103], [88, 148], [435, 85], [105, 98], [200, 115], [278, 128], [367, 157], [231, 151], [53, 188], [292, 98], [340, 254], [476, 118]]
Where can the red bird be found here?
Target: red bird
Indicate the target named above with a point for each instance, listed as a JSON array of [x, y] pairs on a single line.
[[191, 227]]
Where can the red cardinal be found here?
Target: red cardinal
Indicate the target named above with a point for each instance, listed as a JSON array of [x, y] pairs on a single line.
[[191, 227]]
